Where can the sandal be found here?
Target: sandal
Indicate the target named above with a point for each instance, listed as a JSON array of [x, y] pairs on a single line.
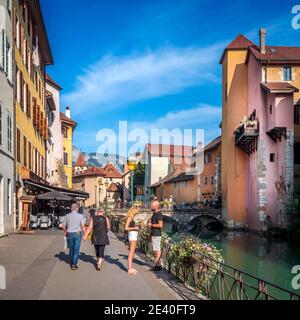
[[133, 272]]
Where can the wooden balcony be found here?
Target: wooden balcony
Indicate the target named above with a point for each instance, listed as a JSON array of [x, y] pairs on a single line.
[[277, 133], [29, 175], [246, 136]]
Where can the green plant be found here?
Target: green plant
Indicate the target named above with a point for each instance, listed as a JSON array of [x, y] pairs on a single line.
[[188, 253]]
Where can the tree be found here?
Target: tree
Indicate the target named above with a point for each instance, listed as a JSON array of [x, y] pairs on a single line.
[[139, 176], [61, 175]]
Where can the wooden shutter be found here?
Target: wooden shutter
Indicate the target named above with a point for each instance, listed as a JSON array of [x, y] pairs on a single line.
[[41, 122], [38, 118], [22, 91], [28, 102], [34, 111]]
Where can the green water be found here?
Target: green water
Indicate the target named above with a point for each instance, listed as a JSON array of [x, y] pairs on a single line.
[[266, 259]]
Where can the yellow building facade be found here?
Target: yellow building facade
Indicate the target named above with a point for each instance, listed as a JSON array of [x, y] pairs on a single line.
[[68, 126], [31, 56]]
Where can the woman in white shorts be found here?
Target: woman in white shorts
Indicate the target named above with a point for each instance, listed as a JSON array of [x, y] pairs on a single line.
[[133, 232]]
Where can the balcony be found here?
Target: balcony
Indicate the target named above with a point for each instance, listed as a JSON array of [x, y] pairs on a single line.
[[277, 133], [29, 175], [246, 136]]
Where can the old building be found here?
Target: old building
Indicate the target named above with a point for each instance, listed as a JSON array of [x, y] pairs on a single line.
[[161, 160], [31, 56], [67, 127], [260, 99], [100, 183], [190, 186], [80, 165], [55, 170], [7, 120]]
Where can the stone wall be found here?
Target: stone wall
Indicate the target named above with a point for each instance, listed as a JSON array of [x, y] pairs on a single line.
[[262, 183], [283, 204]]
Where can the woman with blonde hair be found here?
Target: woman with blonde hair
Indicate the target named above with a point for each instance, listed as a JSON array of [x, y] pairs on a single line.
[[133, 231]]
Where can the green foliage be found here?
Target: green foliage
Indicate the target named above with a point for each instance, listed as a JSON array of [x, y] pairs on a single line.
[[183, 251], [61, 175], [108, 207], [139, 176]]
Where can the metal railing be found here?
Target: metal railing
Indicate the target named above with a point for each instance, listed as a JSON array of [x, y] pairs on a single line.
[[214, 280], [245, 129]]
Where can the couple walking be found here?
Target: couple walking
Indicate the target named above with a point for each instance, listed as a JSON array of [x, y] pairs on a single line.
[[75, 230], [155, 224]]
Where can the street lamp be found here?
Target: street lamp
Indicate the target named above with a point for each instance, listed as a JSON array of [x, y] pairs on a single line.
[[132, 164], [95, 186], [99, 184]]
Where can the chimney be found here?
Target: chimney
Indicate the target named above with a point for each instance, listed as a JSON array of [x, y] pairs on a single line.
[[68, 112], [262, 35]]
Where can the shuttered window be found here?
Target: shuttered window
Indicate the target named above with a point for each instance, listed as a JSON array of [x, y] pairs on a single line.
[[9, 133], [25, 151], [29, 156], [66, 159], [18, 146]]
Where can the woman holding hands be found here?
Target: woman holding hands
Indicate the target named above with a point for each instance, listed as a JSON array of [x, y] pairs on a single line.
[[99, 226]]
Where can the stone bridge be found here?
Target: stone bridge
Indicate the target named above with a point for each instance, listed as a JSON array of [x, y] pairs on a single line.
[[182, 217]]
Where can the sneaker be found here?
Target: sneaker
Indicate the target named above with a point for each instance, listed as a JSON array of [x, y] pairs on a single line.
[[159, 268], [156, 268], [76, 267], [73, 268]]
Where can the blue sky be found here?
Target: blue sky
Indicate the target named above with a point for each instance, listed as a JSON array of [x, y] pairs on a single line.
[[152, 63]]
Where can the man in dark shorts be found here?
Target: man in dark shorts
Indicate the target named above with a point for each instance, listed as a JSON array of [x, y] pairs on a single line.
[[156, 225]]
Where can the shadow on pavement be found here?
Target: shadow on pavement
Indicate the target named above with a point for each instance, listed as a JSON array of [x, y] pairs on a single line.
[[136, 261], [116, 262], [62, 256]]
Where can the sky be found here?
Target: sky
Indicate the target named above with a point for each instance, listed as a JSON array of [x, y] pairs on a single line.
[[152, 63]]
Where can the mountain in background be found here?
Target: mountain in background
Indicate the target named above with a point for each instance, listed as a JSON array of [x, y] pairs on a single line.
[[99, 160]]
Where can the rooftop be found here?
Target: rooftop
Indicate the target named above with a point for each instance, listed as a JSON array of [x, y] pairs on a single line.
[[52, 82], [274, 54], [81, 161], [279, 87], [67, 120], [171, 151]]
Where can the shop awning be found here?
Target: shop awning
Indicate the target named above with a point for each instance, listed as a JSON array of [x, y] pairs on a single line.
[[71, 193]]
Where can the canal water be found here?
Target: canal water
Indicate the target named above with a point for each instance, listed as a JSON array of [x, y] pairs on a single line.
[[264, 258]]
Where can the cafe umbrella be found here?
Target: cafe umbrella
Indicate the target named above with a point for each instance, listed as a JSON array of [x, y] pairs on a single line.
[[54, 196]]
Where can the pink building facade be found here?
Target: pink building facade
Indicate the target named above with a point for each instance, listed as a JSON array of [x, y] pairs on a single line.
[[266, 135]]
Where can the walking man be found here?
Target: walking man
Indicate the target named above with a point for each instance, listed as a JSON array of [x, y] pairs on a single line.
[[74, 227], [156, 225]]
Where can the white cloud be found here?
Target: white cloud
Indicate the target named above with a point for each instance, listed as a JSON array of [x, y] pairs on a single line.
[[198, 117], [203, 116], [118, 81]]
